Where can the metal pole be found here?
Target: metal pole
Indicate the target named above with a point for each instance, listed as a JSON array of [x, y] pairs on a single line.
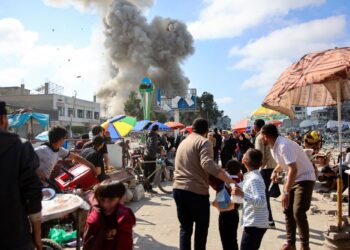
[[177, 115], [177, 119], [71, 115], [339, 181], [30, 130]]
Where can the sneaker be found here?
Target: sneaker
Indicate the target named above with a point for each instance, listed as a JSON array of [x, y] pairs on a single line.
[[272, 225]]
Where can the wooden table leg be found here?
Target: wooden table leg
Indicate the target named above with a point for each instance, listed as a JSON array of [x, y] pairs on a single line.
[[77, 223]]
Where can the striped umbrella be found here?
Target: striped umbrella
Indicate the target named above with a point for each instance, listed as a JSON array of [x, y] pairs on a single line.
[[267, 115], [161, 126], [141, 125], [119, 126]]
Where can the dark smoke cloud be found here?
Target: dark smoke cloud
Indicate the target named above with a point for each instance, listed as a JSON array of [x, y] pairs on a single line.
[[138, 49]]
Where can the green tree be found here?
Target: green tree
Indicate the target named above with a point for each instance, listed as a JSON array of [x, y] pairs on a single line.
[[188, 117], [208, 108], [161, 117], [132, 106]]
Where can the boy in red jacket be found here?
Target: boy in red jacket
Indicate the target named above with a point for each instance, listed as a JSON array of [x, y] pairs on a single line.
[[109, 224]]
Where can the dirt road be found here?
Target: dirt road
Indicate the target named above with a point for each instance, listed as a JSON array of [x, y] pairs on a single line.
[[158, 228]]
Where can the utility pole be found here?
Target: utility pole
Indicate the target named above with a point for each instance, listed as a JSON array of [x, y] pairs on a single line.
[[71, 115]]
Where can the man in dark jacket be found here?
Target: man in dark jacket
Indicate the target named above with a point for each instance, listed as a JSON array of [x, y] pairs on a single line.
[[227, 148], [94, 156], [20, 191], [98, 130], [217, 147], [152, 149]]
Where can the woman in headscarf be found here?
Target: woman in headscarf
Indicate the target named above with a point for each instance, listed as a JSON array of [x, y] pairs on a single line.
[[244, 144]]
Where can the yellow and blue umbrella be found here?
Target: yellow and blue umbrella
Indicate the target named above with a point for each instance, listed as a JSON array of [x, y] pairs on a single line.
[[161, 126], [119, 126], [267, 115], [141, 126]]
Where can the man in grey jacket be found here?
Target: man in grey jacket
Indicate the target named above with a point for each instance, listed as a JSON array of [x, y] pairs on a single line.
[[153, 148]]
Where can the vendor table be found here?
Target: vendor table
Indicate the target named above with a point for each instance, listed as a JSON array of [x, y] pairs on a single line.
[[61, 205]]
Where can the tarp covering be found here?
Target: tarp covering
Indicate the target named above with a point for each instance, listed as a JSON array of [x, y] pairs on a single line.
[[43, 136], [311, 82], [18, 120]]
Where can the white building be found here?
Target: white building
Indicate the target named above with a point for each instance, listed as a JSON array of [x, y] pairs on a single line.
[[59, 107]]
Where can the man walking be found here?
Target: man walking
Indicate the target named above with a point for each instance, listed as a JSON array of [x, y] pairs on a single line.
[[152, 149], [297, 190], [217, 147], [268, 163], [193, 164], [20, 193]]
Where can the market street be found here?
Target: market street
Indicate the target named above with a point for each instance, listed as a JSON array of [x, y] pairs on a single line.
[[157, 226]]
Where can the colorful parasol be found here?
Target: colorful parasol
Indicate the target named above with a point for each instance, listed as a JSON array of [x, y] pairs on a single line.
[[119, 126], [242, 126], [175, 125], [267, 115], [161, 126], [141, 125], [317, 79], [188, 128]]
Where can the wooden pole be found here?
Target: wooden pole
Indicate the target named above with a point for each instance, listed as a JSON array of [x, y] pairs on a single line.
[[339, 181]]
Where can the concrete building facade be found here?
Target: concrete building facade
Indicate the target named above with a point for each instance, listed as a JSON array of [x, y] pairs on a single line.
[[63, 110], [300, 112]]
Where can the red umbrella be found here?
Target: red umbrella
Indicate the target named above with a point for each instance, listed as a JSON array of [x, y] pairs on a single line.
[[188, 128], [242, 126], [277, 123]]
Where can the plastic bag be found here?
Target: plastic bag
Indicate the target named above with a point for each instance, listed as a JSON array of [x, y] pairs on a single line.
[[274, 190], [223, 198], [60, 236]]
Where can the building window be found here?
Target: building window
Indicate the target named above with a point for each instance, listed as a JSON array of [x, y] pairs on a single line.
[[88, 114], [96, 115], [80, 113], [61, 111], [71, 112]]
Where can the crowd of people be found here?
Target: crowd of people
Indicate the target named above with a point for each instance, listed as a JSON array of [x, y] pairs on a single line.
[[261, 158], [244, 166]]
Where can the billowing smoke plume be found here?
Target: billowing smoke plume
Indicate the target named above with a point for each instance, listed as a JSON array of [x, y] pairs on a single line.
[[138, 49]]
